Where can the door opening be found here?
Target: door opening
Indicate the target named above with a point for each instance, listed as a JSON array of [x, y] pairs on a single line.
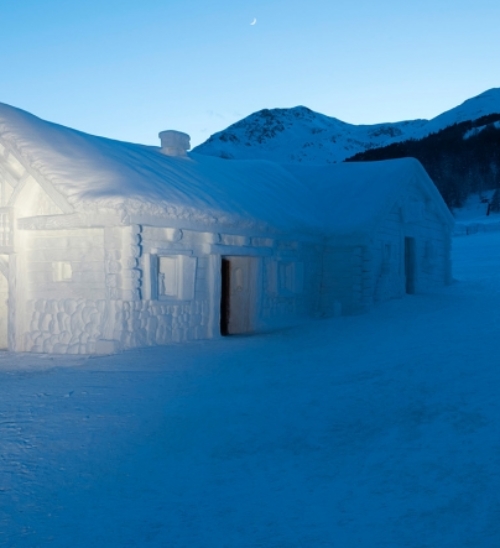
[[225, 298], [238, 295], [410, 265]]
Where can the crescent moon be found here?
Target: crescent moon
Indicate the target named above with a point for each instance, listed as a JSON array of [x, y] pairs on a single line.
[[254, 21]]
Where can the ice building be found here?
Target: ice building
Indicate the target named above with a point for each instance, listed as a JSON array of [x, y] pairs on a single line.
[[107, 245]]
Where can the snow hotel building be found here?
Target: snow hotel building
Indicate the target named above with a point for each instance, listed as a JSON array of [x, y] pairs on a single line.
[[106, 245]]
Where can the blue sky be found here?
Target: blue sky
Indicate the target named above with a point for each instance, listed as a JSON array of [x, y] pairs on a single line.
[[128, 70]]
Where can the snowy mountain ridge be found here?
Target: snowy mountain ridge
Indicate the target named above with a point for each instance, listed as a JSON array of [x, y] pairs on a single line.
[[300, 135]]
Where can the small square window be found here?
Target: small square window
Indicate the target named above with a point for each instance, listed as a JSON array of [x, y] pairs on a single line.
[[61, 271], [173, 277]]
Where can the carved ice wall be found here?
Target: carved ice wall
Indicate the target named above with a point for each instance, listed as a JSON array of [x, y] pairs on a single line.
[[69, 326]]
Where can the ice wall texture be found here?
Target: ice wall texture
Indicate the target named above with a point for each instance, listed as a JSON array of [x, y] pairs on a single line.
[[106, 293], [73, 326]]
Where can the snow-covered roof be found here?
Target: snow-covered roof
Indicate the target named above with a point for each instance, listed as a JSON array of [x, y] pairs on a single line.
[[351, 198], [89, 170], [94, 172]]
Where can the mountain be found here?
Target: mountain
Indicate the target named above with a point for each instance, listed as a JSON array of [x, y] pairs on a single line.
[[300, 135], [459, 148]]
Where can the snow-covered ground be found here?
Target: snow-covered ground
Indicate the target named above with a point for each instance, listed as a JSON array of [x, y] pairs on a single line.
[[380, 430], [473, 216]]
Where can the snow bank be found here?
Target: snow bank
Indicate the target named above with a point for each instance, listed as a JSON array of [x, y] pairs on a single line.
[[473, 217]]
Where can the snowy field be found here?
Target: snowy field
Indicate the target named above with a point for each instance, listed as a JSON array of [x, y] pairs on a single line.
[[381, 430]]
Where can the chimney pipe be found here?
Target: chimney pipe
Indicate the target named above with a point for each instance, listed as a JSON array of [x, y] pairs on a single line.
[[174, 143]]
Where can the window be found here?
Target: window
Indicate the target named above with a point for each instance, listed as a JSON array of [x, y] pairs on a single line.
[[61, 271], [173, 277]]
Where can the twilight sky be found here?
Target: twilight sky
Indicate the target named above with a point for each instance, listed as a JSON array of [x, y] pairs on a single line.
[[128, 70]]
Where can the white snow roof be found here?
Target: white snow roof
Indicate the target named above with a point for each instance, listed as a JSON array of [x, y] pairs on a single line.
[[92, 172], [87, 169], [351, 198]]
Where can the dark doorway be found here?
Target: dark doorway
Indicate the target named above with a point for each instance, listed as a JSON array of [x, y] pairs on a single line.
[[410, 264], [225, 300], [238, 295]]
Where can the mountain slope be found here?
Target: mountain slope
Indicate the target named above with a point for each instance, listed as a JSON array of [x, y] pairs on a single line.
[[301, 135], [475, 108]]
